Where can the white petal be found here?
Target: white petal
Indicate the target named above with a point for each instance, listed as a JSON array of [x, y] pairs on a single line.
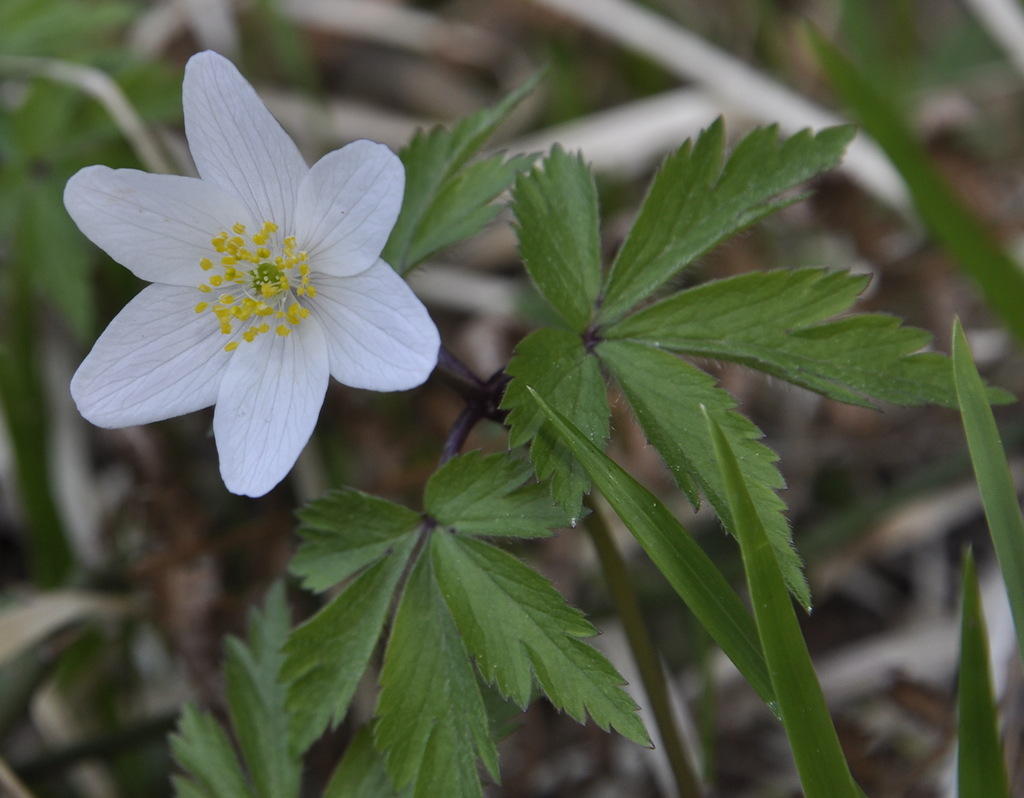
[[347, 205], [268, 404], [379, 334], [159, 226], [157, 359], [237, 143]]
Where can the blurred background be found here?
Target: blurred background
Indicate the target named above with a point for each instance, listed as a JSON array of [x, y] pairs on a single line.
[[123, 560]]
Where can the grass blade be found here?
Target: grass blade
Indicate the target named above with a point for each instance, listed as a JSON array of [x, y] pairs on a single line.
[[998, 494], [800, 702], [979, 763], [688, 569], [948, 219]]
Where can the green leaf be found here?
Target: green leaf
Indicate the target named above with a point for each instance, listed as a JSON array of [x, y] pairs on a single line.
[[776, 322], [556, 364], [517, 627], [998, 493], [948, 218], [559, 234], [256, 700], [980, 766], [688, 569], [801, 704], [361, 773], [695, 202], [667, 393], [202, 749], [256, 707], [487, 495], [344, 532], [445, 201], [326, 656], [431, 721]]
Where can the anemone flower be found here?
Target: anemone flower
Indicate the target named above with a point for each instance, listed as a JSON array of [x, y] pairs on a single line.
[[266, 280]]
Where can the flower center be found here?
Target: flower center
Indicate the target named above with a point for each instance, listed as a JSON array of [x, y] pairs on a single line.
[[269, 290]]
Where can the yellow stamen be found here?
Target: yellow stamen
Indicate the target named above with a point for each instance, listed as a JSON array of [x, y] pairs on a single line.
[[267, 277]]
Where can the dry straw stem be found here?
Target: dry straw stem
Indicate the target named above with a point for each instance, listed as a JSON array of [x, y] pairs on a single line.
[[101, 87], [1004, 22], [652, 126], [10, 785], [738, 87]]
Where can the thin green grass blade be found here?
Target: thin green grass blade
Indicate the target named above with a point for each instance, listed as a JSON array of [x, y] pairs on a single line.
[[979, 762], [951, 223], [800, 702], [998, 494], [688, 569]]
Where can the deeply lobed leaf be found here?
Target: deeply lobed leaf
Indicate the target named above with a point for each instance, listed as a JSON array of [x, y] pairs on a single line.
[[518, 628], [326, 656], [559, 238], [666, 394], [344, 532], [256, 701], [432, 725], [776, 322], [557, 365], [256, 704], [487, 495], [695, 202], [445, 202]]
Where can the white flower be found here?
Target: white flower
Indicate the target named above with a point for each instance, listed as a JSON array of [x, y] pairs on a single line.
[[266, 278]]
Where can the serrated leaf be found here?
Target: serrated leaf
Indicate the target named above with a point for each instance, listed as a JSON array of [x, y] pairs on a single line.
[[344, 532], [445, 203], [518, 628], [256, 700], [819, 758], [431, 721], [202, 749], [556, 364], [256, 704], [559, 236], [666, 394], [695, 202], [361, 773], [685, 565], [326, 656], [487, 495], [776, 322]]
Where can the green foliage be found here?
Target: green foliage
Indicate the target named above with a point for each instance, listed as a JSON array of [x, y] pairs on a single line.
[[256, 704], [327, 655], [559, 239], [685, 565], [256, 700], [998, 492], [667, 395], [518, 628], [346, 531], [361, 773], [777, 322], [432, 724], [64, 28], [819, 758], [980, 766], [447, 199], [487, 495], [696, 201], [557, 365]]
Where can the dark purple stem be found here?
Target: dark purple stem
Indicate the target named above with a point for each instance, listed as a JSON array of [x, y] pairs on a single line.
[[483, 398]]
